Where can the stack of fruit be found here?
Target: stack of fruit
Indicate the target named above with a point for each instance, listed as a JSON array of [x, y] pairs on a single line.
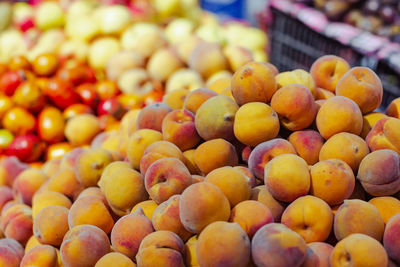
[[270, 169], [57, 62]]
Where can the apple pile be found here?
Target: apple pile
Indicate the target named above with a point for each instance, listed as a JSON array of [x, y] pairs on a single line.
[[269, 169]]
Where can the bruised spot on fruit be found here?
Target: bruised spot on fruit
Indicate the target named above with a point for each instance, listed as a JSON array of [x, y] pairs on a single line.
[[246, 72]]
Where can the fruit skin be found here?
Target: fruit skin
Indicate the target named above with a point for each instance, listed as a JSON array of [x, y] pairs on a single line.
[[88, 94], [51, 125], [295, 106], [211, 251], [308, 144], [369, 121], [362, 85], [10, 81], [11, 252], [383, 135], [19, 121], [10, 168], [357, 216], [261, 194], [27, 148], [6, 137], [16, 223], [48, 198], [28, 95], [276, 245], [61, 93], [253, 82], [317, 254], [41, 255], [152, 116], [211, 203], [27, 183], [81, 129], [176, 98], [115, 259], [393, 109], [45, 64], [387, 206], [328, 70], [196, 98], [391, 238], [358, 250], [297, 76], [110, 106]]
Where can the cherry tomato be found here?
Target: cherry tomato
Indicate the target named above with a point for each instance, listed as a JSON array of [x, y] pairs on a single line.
[[57, 151], [51, 125], [88, 95], [6, 138], [107, 89], [112, 107], [28, 95], [76, 109], [45, 64], [5, 105], [61, 93], [10, 81], [27, 148], [19, 63], [19, 121]]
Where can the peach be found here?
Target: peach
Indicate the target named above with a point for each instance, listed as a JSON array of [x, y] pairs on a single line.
[[178, 127], [255, 123], [253, 82], [128, 233], [158, 150], [237, 56], [379, 173], [50, 225], [261, 194], [215, 117], [50, 167], [231, 182], [190, 252], [83, 246], [65, 182], [48, 198], [297, 76], [148, 207], [10, 167], [184, 78], [166, 217], [234, 251], [339, 114], [137, 144], [322, 94], [163, 63], [295, 106], [214, 154], [16, 223], [207, 59], [310, 217], [81, 129], [42, 255], [287, 177], [161, 248], [308, 144], [165, 178], [151, 116], [357, 216], [276, 245], [27, 183], [210, 202], [369, 121], [391, 238], [251, 215], [90, 210], [175, 99], [69, 159], [188, 159], [317, 254], [11, 252], [358, 250], [119, 175], [384, 135], [387, 206], [6, 195], [347, 147], [90, 165], [251, 179], [115, 259], [196, 98], [332, 180], [363, 86], [197, 178], [393, 110], [93, 191], [328, 70], [221, 86], [33, 242]]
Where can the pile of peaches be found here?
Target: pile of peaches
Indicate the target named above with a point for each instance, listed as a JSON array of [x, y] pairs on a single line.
[[272, 169]]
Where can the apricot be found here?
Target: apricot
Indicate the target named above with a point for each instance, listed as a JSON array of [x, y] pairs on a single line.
[[81, 129], [210, 202], [234, 251], [363, 86], [178, 127], [137, 144], [297, 76], [328, 70], [275, 244], [295, 106], [339, 114], [387, 206], [214, 154], [317, 254], [369, 121], [255, 123], [87, 240], [65, 182], [393, 109], [332, 180], [161, 248], [253, 82], [115, 259], [232, 183], [391, 240], [379, 173], [50, 225], [264, 152], [48, 198], [42, 255], [90, 165], [287, 177], [310, 217], [151, 116], [128, 233], [188, 159], [261, 194], [11, 252], [384, 135], [176, 98], [358, 250], [196, 98], [16, 223], [148, 207], [166, 217], [215, 118], [308, 144], [357, 216], [190, 252]]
